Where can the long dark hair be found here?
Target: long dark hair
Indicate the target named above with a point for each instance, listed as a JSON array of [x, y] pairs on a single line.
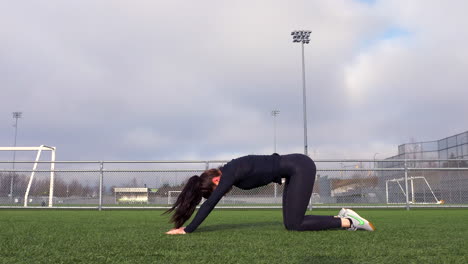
[[196, 188]]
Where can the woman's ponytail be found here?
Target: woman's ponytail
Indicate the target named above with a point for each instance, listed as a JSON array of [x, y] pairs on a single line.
[[196, 188], [186, 202]]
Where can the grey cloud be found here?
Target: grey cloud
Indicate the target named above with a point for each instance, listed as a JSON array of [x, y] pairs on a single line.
[[166, 80]]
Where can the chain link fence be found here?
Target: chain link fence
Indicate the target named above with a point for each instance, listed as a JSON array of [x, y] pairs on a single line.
[[156, 184]]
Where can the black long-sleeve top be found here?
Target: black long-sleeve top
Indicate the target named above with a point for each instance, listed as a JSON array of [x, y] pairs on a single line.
[[246, 173]]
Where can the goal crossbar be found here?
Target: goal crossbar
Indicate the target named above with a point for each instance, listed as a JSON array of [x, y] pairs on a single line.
[[33, 172]]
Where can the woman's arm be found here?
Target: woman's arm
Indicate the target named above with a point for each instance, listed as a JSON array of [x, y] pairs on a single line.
[[205, 209]]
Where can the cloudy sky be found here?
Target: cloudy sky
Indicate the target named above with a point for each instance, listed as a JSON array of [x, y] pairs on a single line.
[[159, 80]]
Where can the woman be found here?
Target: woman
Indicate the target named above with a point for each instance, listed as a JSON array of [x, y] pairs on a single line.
[[254, 171]]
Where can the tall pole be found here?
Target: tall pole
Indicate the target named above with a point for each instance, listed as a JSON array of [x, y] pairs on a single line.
[[274, 113], [374, 157], [304, 110], [16, 115], [302, 36]]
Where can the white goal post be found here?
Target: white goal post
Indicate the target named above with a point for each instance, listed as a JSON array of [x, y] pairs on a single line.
[[411, 199], [38, 155], [169, 196]]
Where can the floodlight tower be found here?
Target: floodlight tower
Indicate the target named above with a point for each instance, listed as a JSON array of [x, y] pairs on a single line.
[[16, 116], [274, 113], [302, 36]]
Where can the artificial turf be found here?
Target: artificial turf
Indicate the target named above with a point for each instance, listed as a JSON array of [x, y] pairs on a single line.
[[229, 236]]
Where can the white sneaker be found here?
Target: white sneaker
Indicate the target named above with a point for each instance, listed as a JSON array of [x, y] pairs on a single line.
[[357, 222], [342, 212]]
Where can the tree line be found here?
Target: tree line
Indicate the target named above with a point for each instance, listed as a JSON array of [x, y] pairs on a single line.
[[40, 186]]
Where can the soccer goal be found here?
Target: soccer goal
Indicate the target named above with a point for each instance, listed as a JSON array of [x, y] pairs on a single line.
[[34, 169], [396, 194], [172, 196]]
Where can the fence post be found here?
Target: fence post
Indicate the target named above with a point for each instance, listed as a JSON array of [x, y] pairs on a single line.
[[101, 177], [406, 186]]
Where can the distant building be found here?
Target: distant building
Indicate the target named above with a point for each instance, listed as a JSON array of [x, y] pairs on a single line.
[[131, 195], [358, 189]]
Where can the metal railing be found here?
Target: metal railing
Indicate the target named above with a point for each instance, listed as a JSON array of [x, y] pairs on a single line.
[[156, 184]]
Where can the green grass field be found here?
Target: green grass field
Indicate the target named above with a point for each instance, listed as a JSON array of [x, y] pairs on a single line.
[[229, 236]]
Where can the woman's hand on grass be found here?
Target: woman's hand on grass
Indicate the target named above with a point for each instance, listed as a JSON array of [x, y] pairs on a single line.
[[176, 231]]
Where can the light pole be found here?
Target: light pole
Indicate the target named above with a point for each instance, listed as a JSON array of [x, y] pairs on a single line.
[[16, 115], [274, 113], [302, 36], [375, 154]]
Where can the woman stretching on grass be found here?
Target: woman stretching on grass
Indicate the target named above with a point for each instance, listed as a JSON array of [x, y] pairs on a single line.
[[254, 171]]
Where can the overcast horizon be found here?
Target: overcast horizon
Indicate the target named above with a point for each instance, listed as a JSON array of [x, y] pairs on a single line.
[[181, 80]]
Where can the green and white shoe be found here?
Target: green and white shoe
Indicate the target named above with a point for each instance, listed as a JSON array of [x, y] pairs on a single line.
[[342, 212], [357, 222]]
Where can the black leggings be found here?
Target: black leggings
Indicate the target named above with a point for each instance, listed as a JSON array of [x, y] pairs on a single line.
[[299, 171]]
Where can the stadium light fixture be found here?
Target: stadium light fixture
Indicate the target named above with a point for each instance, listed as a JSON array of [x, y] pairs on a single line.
[[301, 36]]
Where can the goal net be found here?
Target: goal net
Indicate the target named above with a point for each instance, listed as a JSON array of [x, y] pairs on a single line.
[[419, 191]]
